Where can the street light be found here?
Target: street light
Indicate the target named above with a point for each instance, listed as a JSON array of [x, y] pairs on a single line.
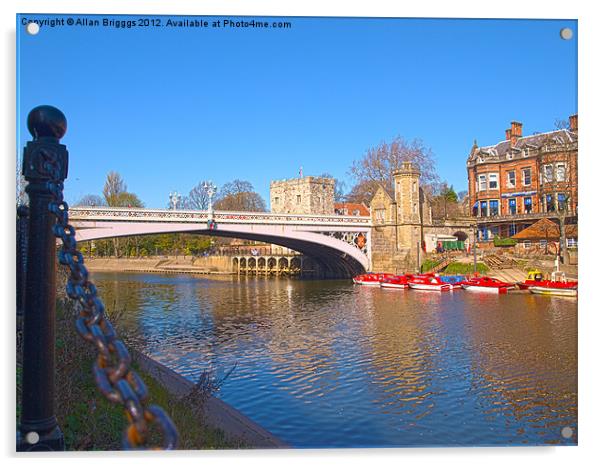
[[210, 189], [174, 198]]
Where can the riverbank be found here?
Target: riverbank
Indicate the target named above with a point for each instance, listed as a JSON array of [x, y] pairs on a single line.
[[211, 265]]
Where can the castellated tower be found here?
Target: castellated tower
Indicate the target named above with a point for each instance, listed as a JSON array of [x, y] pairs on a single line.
[[307, 195]]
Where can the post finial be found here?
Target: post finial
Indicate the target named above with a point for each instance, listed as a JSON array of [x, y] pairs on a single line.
[[46, 121]]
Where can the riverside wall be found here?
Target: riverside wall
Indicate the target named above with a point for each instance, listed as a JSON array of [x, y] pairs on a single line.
[[163, 264]]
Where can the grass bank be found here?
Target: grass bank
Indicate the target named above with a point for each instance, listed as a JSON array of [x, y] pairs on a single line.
[[456, 268], [90, 422]]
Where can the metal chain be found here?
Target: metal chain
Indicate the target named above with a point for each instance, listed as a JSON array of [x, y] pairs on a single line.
[[112, 370]]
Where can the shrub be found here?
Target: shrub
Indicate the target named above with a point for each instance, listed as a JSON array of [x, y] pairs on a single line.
[[504, 242]]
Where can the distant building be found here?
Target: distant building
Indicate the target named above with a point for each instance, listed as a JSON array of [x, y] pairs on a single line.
[[521, 179], [351, 208], [307, 195]]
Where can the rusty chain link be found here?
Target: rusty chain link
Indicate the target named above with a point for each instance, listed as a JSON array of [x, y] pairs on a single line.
[[112, 370]]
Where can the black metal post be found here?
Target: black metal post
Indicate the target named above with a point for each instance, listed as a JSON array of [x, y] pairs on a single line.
[[38, 428], [22, 226]]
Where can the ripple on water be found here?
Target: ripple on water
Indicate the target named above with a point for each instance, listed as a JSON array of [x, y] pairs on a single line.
[[329, 364]]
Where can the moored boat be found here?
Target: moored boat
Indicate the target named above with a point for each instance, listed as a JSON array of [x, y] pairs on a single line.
[[558, 285], [370, 279], [487, 285], [428, 282], [454, 280], [534, 278], [395, 282]]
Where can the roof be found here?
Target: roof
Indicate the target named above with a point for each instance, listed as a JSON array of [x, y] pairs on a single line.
[[534, 141], [351, 206], [546, 229]]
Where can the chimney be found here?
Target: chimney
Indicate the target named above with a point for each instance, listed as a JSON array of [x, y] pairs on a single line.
[[573, 122], [508, 132], [516, 131]]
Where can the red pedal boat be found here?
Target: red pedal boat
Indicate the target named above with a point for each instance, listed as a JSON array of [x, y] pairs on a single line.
[[428, 282], [487, 285], [370, 279], [396, 282]]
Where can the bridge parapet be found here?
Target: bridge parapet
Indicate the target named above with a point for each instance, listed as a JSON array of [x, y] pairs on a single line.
[[195, 216]]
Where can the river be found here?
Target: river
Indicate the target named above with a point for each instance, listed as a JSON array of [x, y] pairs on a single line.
[[330, 364]]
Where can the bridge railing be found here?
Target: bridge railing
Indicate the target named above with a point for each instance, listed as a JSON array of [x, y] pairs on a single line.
[[165, 215]]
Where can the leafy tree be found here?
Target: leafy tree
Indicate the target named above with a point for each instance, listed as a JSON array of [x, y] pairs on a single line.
[[379, 163], [445, 201]]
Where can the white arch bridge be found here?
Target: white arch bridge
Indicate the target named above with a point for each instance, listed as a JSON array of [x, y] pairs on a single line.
[[339, 244]]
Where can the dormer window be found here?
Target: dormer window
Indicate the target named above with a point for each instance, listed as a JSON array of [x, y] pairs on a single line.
[[509, 155]]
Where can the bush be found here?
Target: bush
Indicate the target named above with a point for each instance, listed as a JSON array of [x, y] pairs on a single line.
[[504, 242]]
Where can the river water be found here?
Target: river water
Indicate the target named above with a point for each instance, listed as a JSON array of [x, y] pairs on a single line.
[[330, 364]]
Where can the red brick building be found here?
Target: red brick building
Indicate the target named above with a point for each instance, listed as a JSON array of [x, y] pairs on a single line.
[[350, 208], [521, 179]]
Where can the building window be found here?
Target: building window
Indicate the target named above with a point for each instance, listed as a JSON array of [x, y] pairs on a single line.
[[528, 204], [493, 181], [298, 198], [356, 212], [414, 186], [415, 207], [550, 207], [571, 243], [494, 209], [483, 208], [276, 200], [511, 179], [380, 215], [560, 172], [527, 244], [561, 201], [512, 229], [526, 177], [548, 173], [543, 243], [482, 186], [512, 206]]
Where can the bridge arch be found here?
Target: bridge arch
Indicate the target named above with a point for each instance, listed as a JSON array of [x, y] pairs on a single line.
[[335, 257]]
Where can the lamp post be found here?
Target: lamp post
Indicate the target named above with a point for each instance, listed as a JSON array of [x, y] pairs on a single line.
[[210, 189], [174, 198]]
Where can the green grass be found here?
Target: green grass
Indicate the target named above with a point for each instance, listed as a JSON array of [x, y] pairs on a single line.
[[460, 268], [428, 264], [90, 422]]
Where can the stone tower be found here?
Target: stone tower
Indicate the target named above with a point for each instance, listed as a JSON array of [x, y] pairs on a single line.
[[407, 198], [307, 195], [398, 219]]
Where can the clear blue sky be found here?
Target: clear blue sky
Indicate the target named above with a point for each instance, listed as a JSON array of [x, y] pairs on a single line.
[[168, 107]]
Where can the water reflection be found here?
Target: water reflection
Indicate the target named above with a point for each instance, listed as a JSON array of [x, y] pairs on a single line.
[[329, 364]]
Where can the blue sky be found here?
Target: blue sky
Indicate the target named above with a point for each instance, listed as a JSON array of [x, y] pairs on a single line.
[[168, 107]]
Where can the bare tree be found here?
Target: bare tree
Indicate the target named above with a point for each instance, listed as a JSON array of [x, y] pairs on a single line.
[[113, 188], [197, 198], [379, 163], [339, 187], [239, 195], [91, 200]]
